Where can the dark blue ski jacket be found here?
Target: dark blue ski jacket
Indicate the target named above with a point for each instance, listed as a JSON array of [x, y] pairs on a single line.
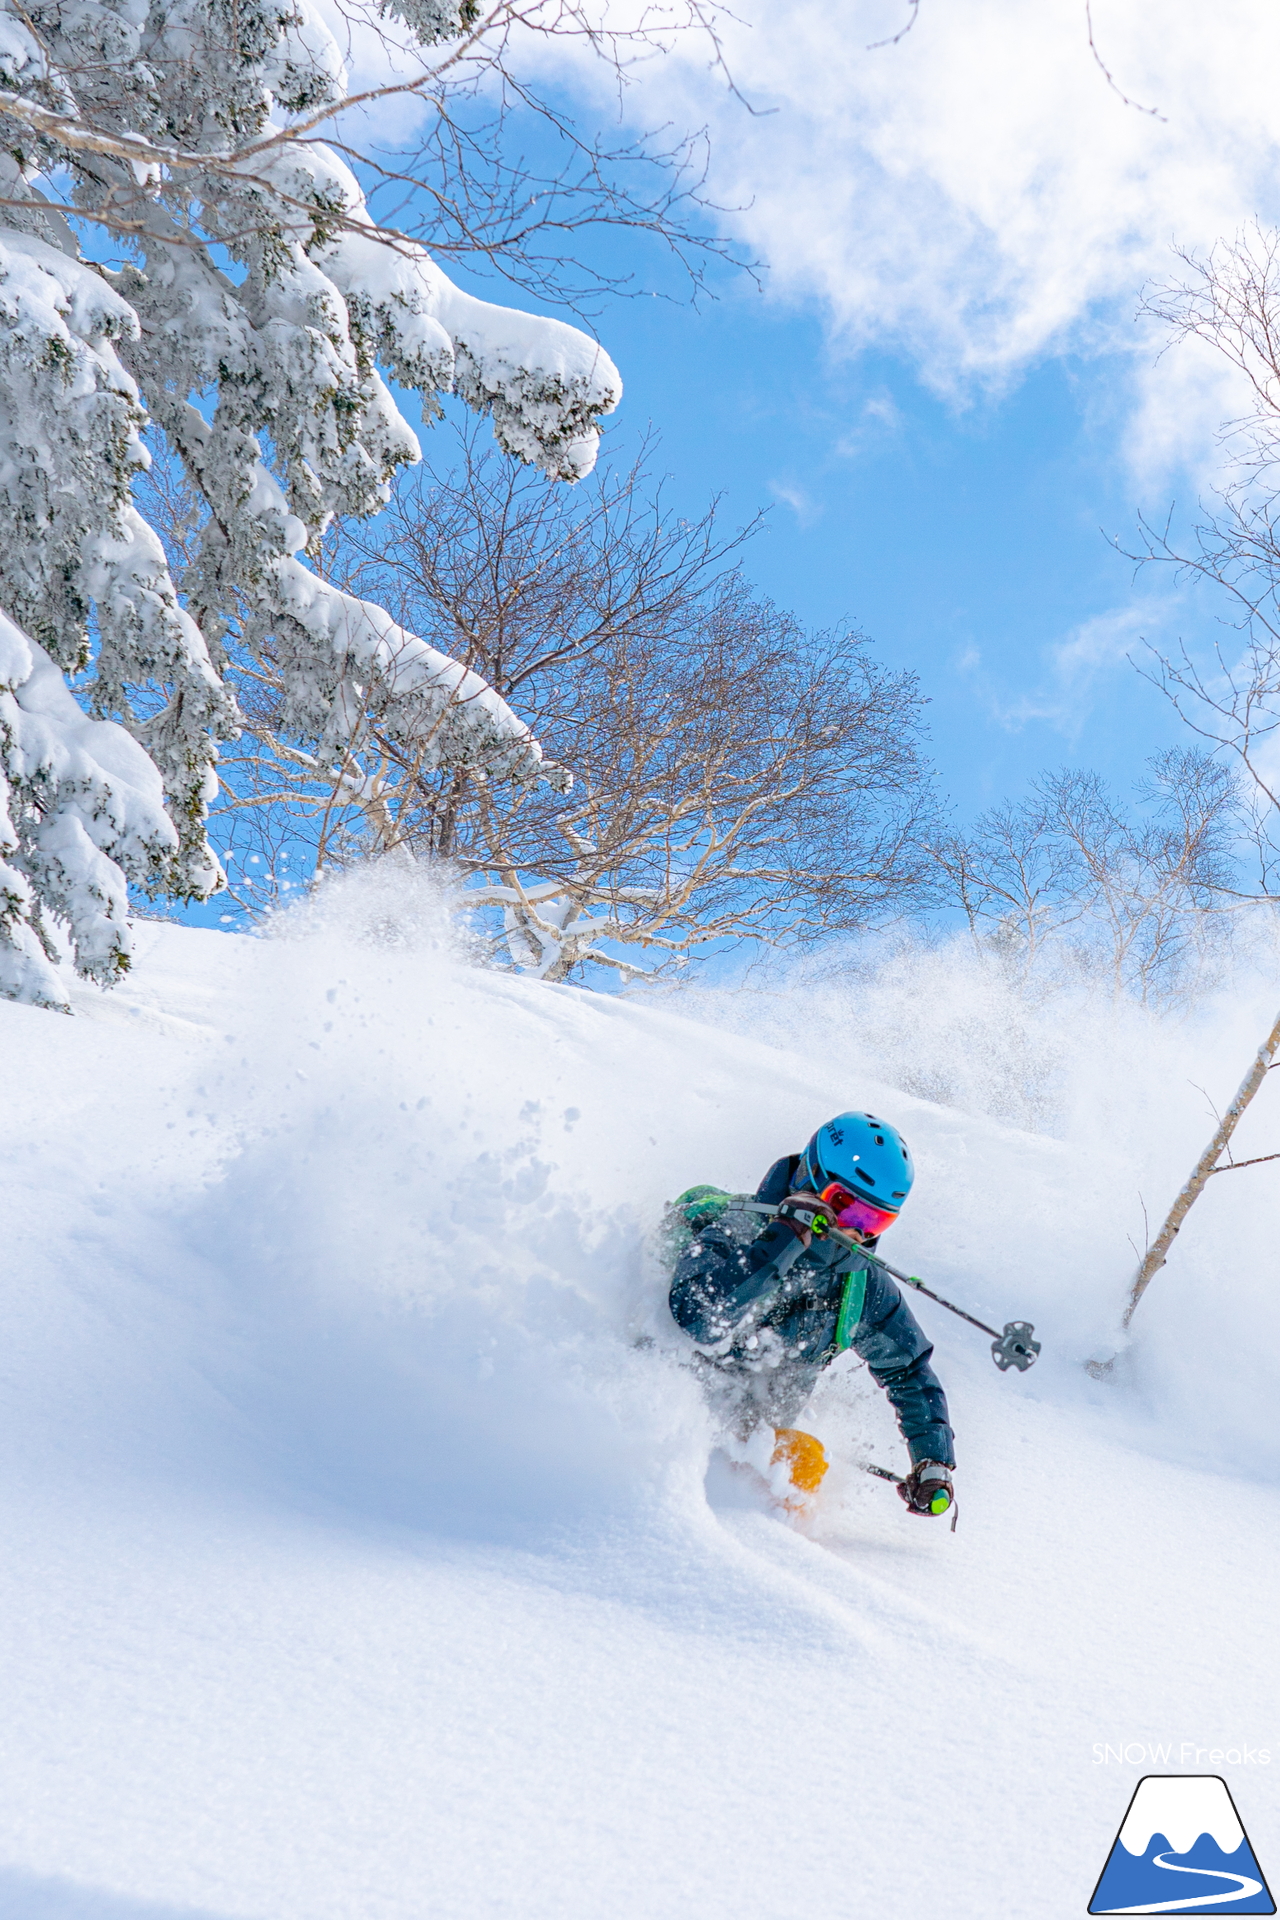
[[777, 1304]]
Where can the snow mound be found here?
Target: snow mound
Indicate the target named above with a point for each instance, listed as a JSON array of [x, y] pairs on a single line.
[[367, 1549]]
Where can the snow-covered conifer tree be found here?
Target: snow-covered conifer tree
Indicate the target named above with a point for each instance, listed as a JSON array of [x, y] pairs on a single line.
[[256, 301]]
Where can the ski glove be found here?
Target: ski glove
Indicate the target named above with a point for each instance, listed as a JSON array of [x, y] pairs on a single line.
[[928, 1489], [806, 1215]]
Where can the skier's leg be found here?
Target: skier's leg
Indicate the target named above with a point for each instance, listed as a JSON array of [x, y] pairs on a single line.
[[754, 1399], [804, 1457], [781, 1393]]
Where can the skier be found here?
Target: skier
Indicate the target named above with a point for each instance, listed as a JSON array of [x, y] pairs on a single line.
[[769, 1315]]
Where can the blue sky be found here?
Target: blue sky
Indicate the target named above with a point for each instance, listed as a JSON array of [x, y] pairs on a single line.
[[944, 393], [945, 390], [966, 539]]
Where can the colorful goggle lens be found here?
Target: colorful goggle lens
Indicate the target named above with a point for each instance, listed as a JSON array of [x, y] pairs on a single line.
[[855, 1214]]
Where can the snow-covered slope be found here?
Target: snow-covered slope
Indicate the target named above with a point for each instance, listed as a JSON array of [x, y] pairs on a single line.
[[363, 1551]]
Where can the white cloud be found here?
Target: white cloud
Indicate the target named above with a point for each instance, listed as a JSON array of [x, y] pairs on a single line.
[[879, 419], [795, 497], [883, 408], [378, 52], [1075, 664], [1098, 644], [1179, 401], [977, 196]]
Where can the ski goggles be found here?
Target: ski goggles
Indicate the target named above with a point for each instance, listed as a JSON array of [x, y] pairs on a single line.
[[854, 1214]]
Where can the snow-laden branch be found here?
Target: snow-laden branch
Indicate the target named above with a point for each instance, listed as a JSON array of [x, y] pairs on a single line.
[[258, 300], [70, 446], [81, 813]]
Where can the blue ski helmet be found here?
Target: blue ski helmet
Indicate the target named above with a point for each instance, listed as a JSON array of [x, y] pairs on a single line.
[[868, 1155]]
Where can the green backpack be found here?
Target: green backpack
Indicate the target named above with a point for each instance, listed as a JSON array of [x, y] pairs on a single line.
[[741, 1216]]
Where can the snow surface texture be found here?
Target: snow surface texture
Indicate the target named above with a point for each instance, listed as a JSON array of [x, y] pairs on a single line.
[[359, 1563], [295, 424]]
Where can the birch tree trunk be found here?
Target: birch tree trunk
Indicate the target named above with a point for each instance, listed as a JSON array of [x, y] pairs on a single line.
[[1158, 1252]]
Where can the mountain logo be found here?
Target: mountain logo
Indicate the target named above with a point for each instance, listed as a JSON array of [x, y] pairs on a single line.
[[1181, 1849]]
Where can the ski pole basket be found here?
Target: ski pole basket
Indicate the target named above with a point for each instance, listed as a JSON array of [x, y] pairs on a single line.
[[1015, 1347]]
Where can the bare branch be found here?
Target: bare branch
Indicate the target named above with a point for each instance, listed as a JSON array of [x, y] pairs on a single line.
[[913, 15], [1070, 873], [734, 777], [1106, 73]]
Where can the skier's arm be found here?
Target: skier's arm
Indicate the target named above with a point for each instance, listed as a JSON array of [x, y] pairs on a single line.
[[893, 1344], [717, 1284]]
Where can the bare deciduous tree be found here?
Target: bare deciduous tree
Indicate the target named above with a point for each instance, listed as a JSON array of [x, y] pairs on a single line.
[[738, 778], [1230, 299], [732, 776], [1069, 871]]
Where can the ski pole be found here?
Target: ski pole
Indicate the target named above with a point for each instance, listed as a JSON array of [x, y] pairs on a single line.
[[1015, 1347], [1012, 1348]]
